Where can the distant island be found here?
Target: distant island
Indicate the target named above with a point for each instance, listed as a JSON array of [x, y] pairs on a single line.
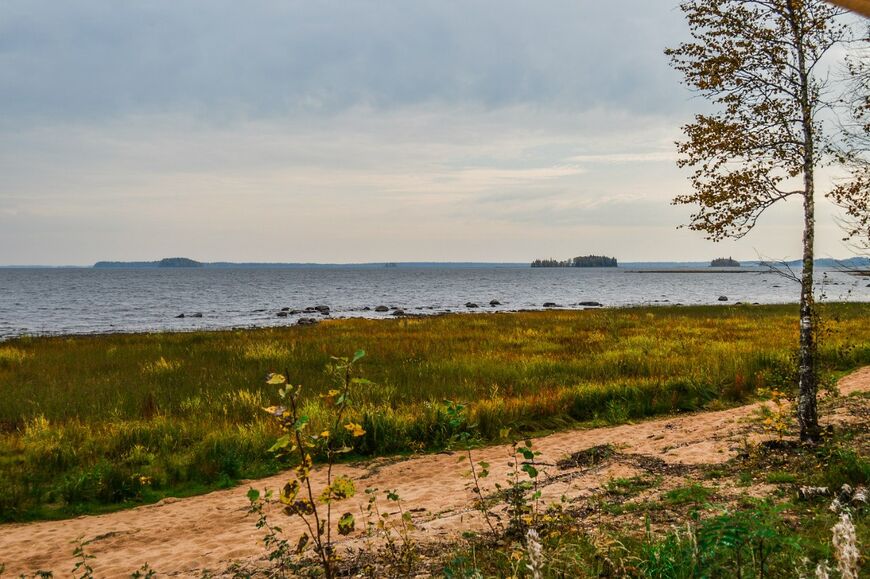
[[580, 261], [724, 262], [169, 262], [183, 262]]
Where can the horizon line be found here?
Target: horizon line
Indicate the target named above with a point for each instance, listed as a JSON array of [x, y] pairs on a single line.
[[384, 263]]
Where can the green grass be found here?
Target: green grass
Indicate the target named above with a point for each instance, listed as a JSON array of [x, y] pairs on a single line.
[[691, 494], [627, 487], [780, 478], [96, 422]]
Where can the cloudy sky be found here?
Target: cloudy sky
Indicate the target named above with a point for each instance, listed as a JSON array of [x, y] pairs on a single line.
[[348, 131]]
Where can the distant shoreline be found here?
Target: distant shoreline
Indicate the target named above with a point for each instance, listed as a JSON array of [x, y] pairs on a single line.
[[390, 318], [689, 270]]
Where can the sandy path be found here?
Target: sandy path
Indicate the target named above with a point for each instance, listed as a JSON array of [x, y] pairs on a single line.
[[184, 536]]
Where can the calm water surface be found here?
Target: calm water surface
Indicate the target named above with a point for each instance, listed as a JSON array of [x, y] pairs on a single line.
[[76, 301]]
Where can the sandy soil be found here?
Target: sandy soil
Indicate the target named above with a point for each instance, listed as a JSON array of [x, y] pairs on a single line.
[[184, 537]]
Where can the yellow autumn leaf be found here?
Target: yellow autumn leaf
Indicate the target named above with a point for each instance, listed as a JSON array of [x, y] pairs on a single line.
[[276, 380], [355, 429]]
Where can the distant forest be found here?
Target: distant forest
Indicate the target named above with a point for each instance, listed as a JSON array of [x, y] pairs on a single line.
[[724, 262], [580, 261]]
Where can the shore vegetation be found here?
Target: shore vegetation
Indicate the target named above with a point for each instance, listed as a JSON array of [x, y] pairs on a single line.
[[96, 423]]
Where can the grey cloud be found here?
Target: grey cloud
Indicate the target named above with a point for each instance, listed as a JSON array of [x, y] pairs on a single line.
[[225, 60]]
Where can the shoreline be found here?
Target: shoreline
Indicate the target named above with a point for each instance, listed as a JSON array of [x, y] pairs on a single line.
[[389, 317], [46, 304]]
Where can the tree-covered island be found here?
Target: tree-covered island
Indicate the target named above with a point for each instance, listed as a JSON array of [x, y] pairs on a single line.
[[580, 261], [724, 262]]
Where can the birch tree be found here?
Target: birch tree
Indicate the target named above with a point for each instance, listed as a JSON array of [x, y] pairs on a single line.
[[853, 195], [759, 62]]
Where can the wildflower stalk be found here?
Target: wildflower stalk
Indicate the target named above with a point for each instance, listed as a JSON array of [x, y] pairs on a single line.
[[535, 554], [846, 546]]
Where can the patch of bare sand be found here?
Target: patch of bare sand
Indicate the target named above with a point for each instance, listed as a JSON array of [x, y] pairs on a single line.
[[185, 537]]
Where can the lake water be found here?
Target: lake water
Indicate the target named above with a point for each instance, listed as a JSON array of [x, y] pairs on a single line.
[[79, 301]]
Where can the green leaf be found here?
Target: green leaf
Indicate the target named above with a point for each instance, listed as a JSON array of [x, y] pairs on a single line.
[[280, 444], [299, 425], [276, 380], [253, 495], [359, 355], [530, 470], [346, 524]]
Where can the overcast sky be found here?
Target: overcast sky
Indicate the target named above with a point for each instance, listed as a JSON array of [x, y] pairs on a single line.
[[350, 131]]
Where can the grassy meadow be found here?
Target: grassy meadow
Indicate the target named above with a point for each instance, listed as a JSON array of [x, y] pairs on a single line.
[[92, 423]]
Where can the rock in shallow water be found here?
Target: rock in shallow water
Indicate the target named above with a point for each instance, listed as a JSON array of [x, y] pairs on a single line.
[[382, 309], [723, 298], [595, 304], [471, 305]]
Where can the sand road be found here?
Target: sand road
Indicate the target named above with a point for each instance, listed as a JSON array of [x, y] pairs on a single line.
[[183, 537]]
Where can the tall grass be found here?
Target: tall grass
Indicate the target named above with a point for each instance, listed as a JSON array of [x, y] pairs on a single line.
[[100, 420]]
